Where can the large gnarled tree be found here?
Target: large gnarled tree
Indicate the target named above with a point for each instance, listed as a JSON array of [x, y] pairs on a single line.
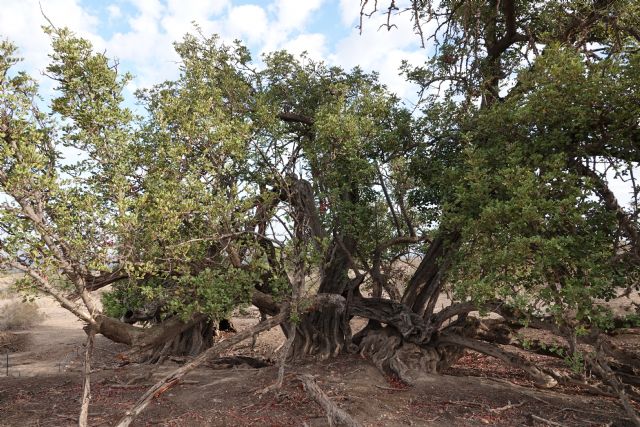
[[271, 185]]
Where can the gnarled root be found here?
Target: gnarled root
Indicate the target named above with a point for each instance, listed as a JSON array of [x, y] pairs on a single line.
[[190, 342], [393, 356]]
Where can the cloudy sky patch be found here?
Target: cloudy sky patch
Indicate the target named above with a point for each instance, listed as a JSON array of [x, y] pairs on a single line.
[[140, 33]]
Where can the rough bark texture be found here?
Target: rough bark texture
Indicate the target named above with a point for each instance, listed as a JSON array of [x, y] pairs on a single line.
[[86, 389], [395, 355], [323, 333], [423, 281], [172, 337], [190, 342], [411, 327]]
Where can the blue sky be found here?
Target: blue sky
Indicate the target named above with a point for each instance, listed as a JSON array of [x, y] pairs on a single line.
[[140, 32]]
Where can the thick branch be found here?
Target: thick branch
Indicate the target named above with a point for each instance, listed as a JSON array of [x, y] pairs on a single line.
[[411, 326], [542, 379], [626, 222], [265, 303], [389, 202], [93, 283], [334, 413], [295, 118]]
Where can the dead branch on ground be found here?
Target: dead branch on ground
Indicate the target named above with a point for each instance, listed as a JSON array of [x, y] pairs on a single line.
[[334, 413], [86, 389]]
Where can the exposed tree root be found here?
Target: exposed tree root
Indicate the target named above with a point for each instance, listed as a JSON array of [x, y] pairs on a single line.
[[408, 361], [173, 378], [335, 415], [321, 332], [282, 360], [602, 368], [190, 342]]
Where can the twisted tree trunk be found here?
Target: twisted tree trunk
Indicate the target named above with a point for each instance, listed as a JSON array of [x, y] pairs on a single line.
[[324, 333]]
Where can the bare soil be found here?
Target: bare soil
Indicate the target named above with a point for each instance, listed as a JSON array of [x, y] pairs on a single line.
[[45, 381]]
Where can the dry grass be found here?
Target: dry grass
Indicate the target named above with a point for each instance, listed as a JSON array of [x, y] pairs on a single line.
[[17, 314]]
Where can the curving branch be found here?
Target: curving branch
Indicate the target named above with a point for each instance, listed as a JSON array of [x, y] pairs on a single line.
[[627, 224], [542, 379], [411, 326], [295, 118]]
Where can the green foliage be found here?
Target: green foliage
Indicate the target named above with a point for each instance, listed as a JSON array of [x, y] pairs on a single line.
[[173, 198], [531, 226], [198, 201], [576, 362], [631, 320]]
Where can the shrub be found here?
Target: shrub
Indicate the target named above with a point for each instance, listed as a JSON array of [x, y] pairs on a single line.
[[19, 315]]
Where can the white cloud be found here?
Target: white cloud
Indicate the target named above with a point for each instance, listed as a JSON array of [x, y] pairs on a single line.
[[114, 11], [145, 47], [148, 45], [21, 21], [349, 12], [181, 14], [377, 49], [313, 44], [247, 22], [294, 14], [196, 9], [290, 19]]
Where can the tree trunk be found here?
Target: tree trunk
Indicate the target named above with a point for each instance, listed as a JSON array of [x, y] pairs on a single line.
[[325, 333], [171, 337], [320, 334], [190, 342], [425, 285]]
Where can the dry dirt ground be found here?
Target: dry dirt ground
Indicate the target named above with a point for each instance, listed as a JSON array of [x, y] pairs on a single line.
[[43, 388]]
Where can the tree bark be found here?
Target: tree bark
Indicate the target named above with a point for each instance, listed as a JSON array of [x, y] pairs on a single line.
[[542, 379], [334, 413], [424, 286], [86, 389], [323, 333], [190, 342]]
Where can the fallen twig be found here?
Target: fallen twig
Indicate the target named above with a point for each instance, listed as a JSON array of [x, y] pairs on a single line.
[[125, 386], [546, 421], [334, 413], [390, 388], [506, 407], [353, 372], [284, 353]]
